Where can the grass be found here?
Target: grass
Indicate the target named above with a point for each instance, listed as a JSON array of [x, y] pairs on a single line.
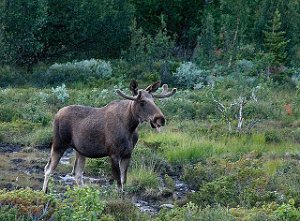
[[180, 148], [259, 167], [141, 179]]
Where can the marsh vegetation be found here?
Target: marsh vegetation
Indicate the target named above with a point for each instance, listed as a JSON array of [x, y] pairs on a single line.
[[230, 147]]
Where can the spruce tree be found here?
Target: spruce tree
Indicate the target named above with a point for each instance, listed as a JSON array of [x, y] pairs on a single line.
[[275, 41]]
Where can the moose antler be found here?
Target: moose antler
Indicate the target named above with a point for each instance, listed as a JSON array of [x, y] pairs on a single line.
[[119, 92], [165, 92]]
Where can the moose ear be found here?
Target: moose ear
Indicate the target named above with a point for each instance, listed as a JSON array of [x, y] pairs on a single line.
[[153, 87], [134, 87]]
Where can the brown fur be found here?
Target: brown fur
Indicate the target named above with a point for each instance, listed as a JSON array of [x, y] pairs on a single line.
[[107, 131]]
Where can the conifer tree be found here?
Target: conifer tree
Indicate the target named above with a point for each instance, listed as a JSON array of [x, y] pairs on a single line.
[[275, 41]]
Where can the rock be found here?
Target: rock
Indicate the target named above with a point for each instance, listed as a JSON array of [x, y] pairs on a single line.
[[167, 205], [146, 207]]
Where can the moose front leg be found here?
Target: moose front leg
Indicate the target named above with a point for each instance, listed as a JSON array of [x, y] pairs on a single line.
[[123, 165]]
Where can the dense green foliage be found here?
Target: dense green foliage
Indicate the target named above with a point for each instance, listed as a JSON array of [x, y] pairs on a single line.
[[232, 133], [246, 174], [211, 31]]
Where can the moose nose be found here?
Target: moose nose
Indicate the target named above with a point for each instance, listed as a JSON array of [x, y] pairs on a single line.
[[158, 122], [161, 121]]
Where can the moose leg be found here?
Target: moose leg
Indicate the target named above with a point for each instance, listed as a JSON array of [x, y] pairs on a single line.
[[123, 164], [116, 169], [78, 168], [74, 166], [50, 167]]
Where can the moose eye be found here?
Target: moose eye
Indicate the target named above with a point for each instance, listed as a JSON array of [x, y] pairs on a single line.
[[142, 103]]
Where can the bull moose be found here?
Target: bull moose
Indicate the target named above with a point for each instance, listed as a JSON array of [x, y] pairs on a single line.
[[107, 131]]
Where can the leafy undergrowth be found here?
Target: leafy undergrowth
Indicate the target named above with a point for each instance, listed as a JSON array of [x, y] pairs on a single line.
[[252, 175], [97, 204]]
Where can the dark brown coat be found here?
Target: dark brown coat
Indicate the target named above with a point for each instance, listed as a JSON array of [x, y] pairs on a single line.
[[107, 131]]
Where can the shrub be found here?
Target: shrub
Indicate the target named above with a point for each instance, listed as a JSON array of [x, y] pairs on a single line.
[[78, 71], [246, 66], [28, 203], [188, 75], [124, 210], [81, 204], [61, 93], [203, 172], [8, 213], [245, 182], [287, 212], [180, 108], [192, 212]]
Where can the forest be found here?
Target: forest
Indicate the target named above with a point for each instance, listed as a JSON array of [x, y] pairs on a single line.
[[230, 147]]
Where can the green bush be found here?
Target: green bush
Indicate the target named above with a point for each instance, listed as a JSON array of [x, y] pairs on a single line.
[[287, 212], [188, 75], [203, 172], [192, 212], [245, 182], [8, 213], [83, 71], [80, 204], [28, 203], [124, 210]]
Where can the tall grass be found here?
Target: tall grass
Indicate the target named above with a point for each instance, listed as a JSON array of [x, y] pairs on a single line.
[[179, 147]]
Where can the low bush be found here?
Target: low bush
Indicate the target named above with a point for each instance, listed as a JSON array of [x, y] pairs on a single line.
[[203, 172], [30, 205], [80, 204], [192, 212], [124, 210], [9, 213], [188, 75], [83, 71]]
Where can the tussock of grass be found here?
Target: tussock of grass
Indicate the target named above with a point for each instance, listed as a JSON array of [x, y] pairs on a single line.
[[140, 179]]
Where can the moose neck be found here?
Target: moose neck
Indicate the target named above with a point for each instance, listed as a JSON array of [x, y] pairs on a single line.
[[132, 120]]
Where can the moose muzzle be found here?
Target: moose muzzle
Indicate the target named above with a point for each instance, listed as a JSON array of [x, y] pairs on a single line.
[[158, 122]]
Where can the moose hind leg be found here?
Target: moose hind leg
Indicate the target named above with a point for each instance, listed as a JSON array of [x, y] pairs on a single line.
[[50, 167], [116, 169], [78, 168]]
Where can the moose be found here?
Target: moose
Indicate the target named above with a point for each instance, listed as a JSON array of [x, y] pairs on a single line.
[[107, 131]]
